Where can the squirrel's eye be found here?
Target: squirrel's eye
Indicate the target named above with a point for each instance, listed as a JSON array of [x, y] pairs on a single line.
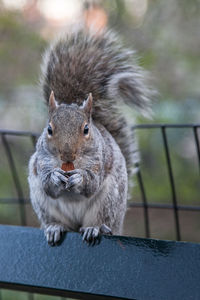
[[49, 129], [86, 129]]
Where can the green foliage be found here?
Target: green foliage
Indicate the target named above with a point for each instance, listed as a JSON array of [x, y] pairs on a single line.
[[20, 50], [16, 295]]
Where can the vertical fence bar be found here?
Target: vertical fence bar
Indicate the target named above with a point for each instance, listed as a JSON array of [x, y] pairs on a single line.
[[15, 179], [171, 179], [144, 200], [34, 139], [196, 137], [18, 188], [30, 296]]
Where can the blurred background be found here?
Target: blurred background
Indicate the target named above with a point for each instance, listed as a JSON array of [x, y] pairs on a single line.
[[166, 37]]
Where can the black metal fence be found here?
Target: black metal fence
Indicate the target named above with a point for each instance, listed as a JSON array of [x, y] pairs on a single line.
[[22, 200], [174, 203]]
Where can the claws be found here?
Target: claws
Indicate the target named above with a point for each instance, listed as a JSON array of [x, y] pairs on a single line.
[[91, 235], [53, 233], [72, 172], [74, 180], [104, 229], [54, 184], [58, 175]]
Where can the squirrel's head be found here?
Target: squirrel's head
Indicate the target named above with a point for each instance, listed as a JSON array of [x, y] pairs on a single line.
[[69, 128]]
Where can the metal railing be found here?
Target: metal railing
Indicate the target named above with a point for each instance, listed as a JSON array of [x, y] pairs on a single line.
[[21, 200], [163, 128]]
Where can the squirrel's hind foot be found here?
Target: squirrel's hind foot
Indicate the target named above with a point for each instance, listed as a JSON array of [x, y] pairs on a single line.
[[92, 235]]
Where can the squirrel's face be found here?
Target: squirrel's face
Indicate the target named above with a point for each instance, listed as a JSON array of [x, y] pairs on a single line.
[[69, 128]]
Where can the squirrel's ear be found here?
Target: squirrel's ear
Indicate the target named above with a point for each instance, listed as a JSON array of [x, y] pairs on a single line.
[[87, 105], [52, 102]]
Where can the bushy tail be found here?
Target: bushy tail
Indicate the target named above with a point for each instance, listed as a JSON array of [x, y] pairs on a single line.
[[84, 62]]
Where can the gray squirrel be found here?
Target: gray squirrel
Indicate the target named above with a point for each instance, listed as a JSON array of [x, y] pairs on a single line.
[[85, 78]]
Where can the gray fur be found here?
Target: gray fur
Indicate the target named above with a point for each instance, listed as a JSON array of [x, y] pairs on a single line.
[[85, 62], [96, 197], [92, 197]]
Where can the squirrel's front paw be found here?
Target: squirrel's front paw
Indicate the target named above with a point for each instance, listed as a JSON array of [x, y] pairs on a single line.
[[53, 233], [92, 234], [75, 180], [56, 183]]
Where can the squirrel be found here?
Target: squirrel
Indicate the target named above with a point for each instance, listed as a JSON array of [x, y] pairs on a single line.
[[86, 76]]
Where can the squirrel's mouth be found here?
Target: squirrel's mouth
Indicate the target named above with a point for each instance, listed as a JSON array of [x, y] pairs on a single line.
[[69, 166]]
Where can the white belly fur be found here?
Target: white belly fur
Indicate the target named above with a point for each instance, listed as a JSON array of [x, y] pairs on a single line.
[[69, 209]]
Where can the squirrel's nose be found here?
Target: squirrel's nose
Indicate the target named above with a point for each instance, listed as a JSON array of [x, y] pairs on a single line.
[[68, 157]]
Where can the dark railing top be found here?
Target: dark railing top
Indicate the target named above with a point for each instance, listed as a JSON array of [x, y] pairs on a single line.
[[148, 125], [119, 267], [18, 132], [166, 125]]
